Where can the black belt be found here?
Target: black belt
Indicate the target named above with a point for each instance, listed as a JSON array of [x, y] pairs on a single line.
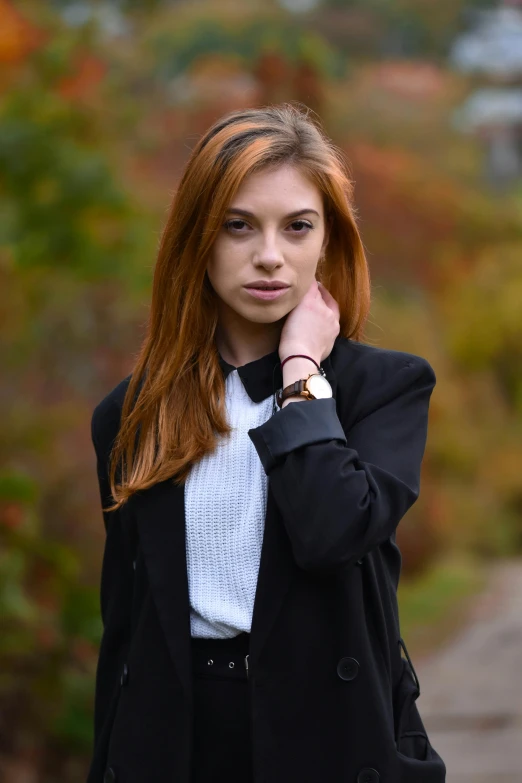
[[221, 657]]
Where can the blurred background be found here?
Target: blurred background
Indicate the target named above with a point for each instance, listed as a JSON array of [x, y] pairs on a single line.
[[100, 104]]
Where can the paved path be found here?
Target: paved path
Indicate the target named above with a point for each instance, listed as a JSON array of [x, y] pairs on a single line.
[[471, 688]]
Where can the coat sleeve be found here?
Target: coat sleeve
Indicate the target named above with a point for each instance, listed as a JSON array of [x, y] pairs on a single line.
[[342, 493], [115, 595]]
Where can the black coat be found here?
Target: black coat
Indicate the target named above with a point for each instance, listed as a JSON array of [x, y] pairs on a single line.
[[332, 697]]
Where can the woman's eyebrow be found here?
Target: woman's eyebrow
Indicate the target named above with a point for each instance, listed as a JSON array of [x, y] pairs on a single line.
[[246, 213]]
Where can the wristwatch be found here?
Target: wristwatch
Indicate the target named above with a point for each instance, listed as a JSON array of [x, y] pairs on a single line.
[[314, 387]]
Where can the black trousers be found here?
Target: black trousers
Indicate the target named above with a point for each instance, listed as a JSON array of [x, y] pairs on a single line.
[[222, 740]]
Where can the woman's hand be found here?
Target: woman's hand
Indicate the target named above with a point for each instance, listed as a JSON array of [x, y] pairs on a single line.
[[312, 326]]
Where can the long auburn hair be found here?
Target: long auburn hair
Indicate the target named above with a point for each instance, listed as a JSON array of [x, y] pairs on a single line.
[[174, 406]]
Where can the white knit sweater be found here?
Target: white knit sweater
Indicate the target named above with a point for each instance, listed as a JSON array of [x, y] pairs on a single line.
[[225, 506]]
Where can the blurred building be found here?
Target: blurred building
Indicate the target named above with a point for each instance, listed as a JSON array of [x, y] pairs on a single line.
[[107, 15], [492, 52]]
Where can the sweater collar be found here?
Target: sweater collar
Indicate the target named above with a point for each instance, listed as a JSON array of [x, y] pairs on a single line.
[[264, 376]]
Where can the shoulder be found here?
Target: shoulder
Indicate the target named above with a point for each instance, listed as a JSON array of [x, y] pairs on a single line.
[[372, 362], [369, 378], [106, 416]]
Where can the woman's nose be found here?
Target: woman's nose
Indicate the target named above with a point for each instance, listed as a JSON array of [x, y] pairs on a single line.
[[269, 250]]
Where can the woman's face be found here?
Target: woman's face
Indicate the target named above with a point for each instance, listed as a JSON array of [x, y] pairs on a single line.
[[263, 239]]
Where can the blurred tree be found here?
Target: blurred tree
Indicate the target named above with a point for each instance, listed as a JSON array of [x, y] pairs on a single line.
[[18, 36], [49, 633], [69, 241], [483, 317], [308, 86], [405, 28], [59, 200], [173, 47]]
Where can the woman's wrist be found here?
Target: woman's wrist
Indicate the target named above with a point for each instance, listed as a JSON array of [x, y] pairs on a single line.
[[294, 370]]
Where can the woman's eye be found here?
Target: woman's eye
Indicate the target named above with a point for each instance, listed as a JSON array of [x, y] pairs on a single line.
[[302, 224], [233, 224]]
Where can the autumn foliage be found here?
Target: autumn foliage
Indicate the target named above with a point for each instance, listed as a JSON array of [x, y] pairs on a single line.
[[94, 131]]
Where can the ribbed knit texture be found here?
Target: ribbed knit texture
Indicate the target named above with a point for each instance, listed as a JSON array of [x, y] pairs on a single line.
[[225, 506]]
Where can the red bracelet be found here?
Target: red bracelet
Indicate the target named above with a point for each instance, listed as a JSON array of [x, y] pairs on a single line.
[[294, 355]]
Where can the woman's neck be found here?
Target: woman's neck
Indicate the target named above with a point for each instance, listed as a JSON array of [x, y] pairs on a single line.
[[237, 350]]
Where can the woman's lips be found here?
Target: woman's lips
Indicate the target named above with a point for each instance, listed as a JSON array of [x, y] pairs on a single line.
[[263, 293]]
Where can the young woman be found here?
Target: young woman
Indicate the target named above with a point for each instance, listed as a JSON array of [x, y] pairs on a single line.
[[253, 469]]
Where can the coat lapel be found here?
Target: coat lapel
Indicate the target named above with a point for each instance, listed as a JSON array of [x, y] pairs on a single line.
[[276, 570], [160, 518]]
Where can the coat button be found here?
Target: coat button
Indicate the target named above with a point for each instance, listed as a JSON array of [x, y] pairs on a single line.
[[124, 675], [110, 776], [348, 668], [368, 775]]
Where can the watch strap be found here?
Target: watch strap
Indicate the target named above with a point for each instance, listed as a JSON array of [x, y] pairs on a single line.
[[294, 389]]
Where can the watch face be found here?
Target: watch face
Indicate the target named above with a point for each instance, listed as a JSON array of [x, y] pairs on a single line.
[[319, 386]]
